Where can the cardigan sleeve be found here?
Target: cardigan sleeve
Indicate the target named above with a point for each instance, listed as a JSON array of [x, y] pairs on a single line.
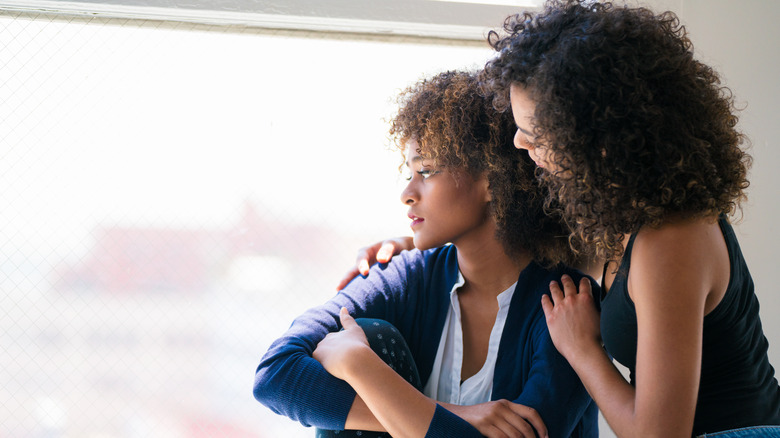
[[445, 424], [554, 389], [292, 383]]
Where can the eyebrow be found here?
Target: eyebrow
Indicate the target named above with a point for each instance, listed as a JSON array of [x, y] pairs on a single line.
[[413, 160], [525, 132]]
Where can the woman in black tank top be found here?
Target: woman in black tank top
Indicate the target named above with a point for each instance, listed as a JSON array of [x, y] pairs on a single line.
[[636, 141]]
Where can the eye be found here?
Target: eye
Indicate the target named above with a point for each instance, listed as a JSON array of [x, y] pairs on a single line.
[[427, 173], [424, 173]]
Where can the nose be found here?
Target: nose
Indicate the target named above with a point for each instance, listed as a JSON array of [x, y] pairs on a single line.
[[409, 194], [520, 142]]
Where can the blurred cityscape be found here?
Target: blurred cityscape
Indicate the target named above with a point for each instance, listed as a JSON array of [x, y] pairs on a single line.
[[157, 331], [137, 295]]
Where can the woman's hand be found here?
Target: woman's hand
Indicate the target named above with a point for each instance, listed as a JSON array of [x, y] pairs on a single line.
[[339, 350], [572, 317], [380, 252], [501, 418]]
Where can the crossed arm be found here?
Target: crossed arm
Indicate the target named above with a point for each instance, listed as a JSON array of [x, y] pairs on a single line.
[[347, 356]]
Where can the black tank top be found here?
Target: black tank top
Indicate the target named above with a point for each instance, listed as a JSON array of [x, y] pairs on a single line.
[[737, 386]]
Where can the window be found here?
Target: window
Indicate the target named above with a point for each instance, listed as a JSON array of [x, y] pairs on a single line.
[[173, 195]]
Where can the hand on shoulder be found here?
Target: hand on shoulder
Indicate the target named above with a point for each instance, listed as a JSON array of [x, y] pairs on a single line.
[[380, 252]]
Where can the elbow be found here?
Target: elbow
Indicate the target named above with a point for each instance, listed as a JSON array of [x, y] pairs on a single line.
[[258, 389], [262, 388]]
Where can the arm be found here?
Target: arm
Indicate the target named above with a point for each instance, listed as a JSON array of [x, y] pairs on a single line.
[[674, 270], [292, 383], [347, 355]]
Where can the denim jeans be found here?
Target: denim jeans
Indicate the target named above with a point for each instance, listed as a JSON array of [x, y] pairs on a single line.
[[386, 341], [747, 432]]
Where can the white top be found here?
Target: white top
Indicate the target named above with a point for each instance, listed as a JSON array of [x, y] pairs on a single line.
[[444, 384]]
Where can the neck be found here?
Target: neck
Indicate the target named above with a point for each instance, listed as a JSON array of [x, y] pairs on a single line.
[[486, 268]]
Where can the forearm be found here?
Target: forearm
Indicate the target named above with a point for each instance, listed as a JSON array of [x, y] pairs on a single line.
[[360, 417], [400, 408], [615, 397]]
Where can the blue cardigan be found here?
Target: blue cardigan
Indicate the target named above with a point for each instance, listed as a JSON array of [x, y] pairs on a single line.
[[412, 292]]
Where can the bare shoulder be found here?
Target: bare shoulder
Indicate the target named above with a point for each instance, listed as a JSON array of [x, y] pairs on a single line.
[[679, 257], [679, 235]]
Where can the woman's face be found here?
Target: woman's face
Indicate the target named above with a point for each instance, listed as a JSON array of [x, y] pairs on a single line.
[[444, 205], [523, 111]]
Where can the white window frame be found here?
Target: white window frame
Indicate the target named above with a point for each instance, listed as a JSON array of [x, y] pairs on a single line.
[[446, 19]]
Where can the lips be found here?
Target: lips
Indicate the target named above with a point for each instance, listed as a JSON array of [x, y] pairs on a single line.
[[539, 163], [415, 220]]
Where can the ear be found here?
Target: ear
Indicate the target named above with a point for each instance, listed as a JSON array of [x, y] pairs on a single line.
[[484, 185]]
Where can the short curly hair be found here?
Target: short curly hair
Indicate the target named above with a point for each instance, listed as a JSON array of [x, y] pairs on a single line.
[[640, 129], [455, 125]]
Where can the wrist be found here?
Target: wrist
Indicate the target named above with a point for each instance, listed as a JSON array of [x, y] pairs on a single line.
[[584, 352], [355, 361]]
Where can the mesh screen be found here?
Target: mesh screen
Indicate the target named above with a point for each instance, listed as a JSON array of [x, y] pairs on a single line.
[[172, 195]]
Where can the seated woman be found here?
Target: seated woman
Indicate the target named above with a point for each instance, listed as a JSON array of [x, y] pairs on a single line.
[[452, 340]]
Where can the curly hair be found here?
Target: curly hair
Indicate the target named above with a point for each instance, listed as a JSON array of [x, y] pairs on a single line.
[[640, 130], [456, 126]]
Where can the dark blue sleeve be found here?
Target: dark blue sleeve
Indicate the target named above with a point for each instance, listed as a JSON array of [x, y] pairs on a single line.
[[555, 390], [445, 424], [292, 383]]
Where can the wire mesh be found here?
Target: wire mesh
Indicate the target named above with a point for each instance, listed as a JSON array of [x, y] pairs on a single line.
[[173, 194]]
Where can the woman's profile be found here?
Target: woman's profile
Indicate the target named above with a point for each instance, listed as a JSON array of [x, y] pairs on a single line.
[[448, 339]]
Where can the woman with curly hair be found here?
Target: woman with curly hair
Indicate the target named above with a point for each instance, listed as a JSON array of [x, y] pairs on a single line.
[[636, 142], [450, 338]]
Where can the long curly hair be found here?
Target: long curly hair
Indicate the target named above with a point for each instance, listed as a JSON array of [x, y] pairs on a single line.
[[641, 131], [456, 126]]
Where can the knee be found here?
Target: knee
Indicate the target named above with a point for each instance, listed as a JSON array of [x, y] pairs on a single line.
[[377, 327]]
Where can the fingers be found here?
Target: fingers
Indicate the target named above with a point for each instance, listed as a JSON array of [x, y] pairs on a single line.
[[386, 251], [380, 252], [532, 417], [515, 427], [515, 420], [347, 321], [362, 264], [555, 292], [547, 306], [585, 286], [569, 288], [366, 257], [566, 289]]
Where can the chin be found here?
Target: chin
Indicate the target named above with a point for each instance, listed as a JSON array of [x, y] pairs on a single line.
[[422, 244]]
